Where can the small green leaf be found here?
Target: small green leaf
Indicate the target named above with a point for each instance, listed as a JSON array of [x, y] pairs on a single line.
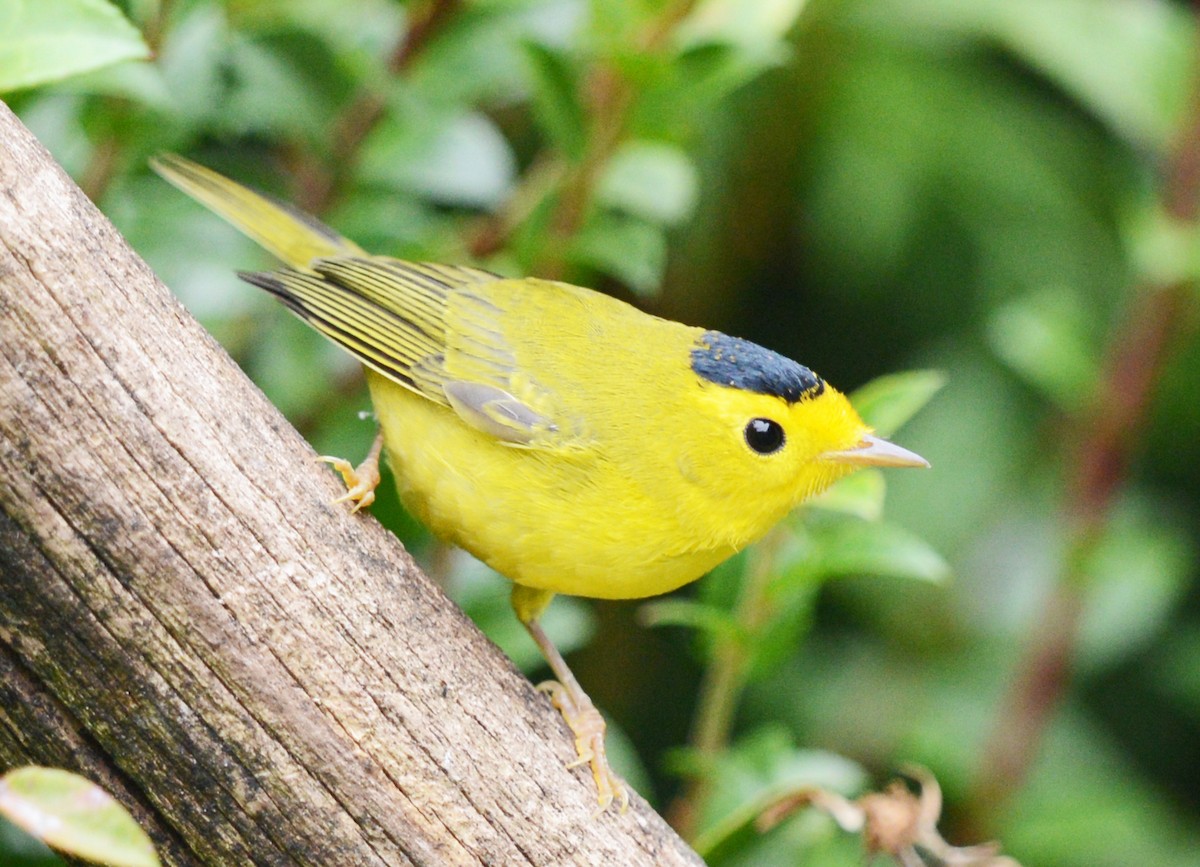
[[722, 587], [133, 80], [850, 547], [715, 621], [652, 180], [75, 816], [749, 23], [556, 99], [1137, 578], [49, 40], [1166, 250], [191, 60], [759, 769], [471, 164], [791, 615], [708, 72], [887, 402], [461, 160], [1044, 339], [632, 250], [860, 494]]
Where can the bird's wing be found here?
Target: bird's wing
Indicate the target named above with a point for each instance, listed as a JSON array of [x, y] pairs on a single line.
[[431, 328]]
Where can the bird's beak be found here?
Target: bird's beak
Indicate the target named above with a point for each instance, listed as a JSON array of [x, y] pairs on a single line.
[[875, 452]]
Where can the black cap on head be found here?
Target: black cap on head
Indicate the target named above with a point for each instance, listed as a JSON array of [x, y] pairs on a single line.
[[738, 363]]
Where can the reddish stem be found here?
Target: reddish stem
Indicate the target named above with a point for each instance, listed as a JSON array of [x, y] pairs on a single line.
[[1108, 436]]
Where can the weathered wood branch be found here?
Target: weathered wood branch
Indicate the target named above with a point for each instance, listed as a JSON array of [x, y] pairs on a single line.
[[184, 616]]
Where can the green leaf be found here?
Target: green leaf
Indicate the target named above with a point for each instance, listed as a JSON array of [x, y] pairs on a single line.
[[1137, 577], [887, 402], [48, 40], [722, 587], [477, 59], [459, 160], [1125, 61], [132, 80], [1044, 339], [755, 772], [749, 23], [651, 180], [791, 615], [191, 60], [632, 250], [1166, 250], [556, 99], [274, 87], [75, 816], [695, 84], [848, 547], [715, 621], [860, 494]]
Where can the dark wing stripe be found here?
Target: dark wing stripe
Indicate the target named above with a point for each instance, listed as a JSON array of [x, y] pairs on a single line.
[[390, 314], [296, 292], [414, 300], [386, 329], [458, 275], [378, 337], [336, 296]]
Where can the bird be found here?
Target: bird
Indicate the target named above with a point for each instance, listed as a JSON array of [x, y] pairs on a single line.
[[575, 444]]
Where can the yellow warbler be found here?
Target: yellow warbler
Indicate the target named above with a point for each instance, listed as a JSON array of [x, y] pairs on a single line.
[[568, 440]]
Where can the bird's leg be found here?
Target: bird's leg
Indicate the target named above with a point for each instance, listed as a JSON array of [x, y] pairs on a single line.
[[361, 481], [572, 702]]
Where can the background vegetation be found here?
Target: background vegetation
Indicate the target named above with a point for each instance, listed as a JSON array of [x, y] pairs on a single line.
[[1002, 191]]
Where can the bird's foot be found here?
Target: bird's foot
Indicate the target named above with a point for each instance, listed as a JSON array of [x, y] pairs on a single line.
[[589, 726], [361, 481]]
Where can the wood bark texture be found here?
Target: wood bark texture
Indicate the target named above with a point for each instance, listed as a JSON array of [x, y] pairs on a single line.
[[184, 616]]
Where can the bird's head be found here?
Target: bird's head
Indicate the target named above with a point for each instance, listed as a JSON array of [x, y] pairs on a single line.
[[777, 433]]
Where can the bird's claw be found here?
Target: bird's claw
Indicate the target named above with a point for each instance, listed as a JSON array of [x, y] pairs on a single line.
[[588, 726], [361, 481]]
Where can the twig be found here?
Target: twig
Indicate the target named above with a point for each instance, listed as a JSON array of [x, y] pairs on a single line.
[[724, 680]]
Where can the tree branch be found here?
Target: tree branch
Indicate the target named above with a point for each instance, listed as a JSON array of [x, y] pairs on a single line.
[[259, 675]]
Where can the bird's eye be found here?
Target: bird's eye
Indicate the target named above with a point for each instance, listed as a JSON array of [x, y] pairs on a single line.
[[764, 435]]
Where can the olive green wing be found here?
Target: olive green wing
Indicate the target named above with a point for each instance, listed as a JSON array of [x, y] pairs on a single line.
[[430, 328]]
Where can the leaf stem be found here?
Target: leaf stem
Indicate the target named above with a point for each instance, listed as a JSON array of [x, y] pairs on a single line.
[[725, 679]]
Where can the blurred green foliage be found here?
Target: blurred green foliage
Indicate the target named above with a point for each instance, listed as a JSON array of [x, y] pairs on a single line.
[[983, 188]]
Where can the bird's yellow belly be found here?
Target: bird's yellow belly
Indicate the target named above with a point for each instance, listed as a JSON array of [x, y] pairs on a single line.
[[548, 521]]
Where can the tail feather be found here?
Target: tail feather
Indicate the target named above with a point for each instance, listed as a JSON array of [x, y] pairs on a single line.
[[290, 234]]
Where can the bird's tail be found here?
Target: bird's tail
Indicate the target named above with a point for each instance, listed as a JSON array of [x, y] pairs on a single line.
[[290, 234]]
